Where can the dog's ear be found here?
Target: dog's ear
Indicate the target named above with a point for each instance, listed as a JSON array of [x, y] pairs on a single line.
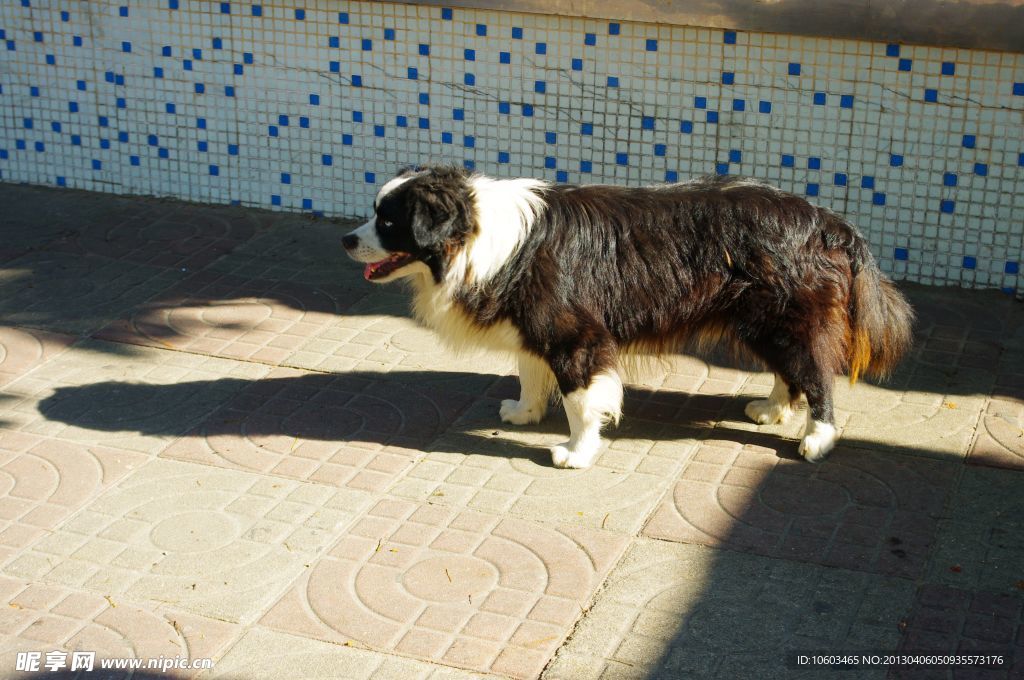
[[435, 213]]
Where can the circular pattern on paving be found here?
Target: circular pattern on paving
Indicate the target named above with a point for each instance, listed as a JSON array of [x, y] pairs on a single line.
[[450, 578], [194, 532]]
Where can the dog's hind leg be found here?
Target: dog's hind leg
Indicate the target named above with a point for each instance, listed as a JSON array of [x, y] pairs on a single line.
[[820, 435], [536, 383], [777, 408]]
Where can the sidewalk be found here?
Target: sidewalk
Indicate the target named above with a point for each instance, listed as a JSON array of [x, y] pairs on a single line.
[[218, 441]]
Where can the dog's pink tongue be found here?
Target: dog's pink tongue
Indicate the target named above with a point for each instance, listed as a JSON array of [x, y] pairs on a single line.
[[369, 269]]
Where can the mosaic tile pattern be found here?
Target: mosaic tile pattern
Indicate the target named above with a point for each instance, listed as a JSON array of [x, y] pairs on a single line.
[[312, 106]]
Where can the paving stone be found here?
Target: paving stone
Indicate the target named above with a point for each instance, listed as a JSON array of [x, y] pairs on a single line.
[[947, 620], [120, 396], [859, 509], [354, 429], [268, 654], [45, 481], [461, 588], [1000, 437], [46, 618], [220, 543], [980, 544], [175, 235], [682, 611], [22, 349], [297, 248], [229, 316], [73, 293]]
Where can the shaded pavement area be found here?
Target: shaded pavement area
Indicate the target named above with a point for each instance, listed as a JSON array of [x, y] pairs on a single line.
[[217, 441]]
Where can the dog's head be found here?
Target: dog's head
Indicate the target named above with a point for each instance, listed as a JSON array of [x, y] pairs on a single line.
[[421, 218]]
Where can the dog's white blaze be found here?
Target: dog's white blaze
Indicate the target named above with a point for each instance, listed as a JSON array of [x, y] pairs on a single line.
[[819, 438], [536, 383], [390, 186], [587, 409], [505, 211], [777, 408]]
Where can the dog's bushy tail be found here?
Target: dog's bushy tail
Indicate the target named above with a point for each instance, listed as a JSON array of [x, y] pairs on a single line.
[[881, 319]]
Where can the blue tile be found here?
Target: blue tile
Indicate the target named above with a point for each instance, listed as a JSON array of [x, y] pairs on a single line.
[[225, 7], [446, 13], [550, 162], [878, 198], [700, 102], [314, 100], [794, 69], [686, 127], [238, 69], [300, 15], [905, 65], [307, 204], [201, 123], [469, 142], [65, 16], [367, 45], [814, 163], [446, 138], [342, 17], [819, 98], [671, 176], [970, 262], [652, 45], [590, 39], [517, 33], [357, 80], [135, 160], [458, 114], [186, 64], [96, 165], [218, 43], [257, 10], [561, 176], [423, 123], [37, 36], [229, 91], [469, 55], [729, 37], [895, 160], [505, 57], [846, 101], [303, 122], [481, 30], [739, 105], [1020, 160], [1011, 267], [39, 146], [900, 253], [424, 50], [550, 138], [948, 68], [931, 95], [892, 50], [735, 156], [541, 48], [122, 136], [660, 149], [1018, 89], [357, 116], [247, 57], [577, 64], [949, 179], [722, 168], [839, 179], [122, 11], [200, 88], [73, 108], [812, 189], [504, 108], [540, 87], [969, 141], [867, 182], [764, 107], [334, 42], [163, 152], [787, 161], [346, 140], [202, 145], [528, 110], [27, 123], [286, 178], [153, 140], [76, 40], [712, 117], [61, 181], [214, 170], [728, 77], [170, 107], [400, 121], [647, 123], [412, 73], [275, 199], [232, 149], [283, 120], [378, 130], [389, 34], [126, 46], [469, 79], [586, 166], [469, 164], [981, 169], [947, 206], [614, 29], [613, 81]]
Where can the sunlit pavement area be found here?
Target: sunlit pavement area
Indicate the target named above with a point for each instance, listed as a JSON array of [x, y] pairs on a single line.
[[219, 442]]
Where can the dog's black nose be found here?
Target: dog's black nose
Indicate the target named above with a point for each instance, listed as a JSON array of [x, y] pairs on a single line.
[[350, 241]]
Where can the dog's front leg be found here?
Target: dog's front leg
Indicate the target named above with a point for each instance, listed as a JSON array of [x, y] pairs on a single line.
[[536, 383], [588, 408]]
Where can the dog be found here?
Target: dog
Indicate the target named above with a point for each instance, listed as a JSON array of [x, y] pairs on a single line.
[[571, 279]]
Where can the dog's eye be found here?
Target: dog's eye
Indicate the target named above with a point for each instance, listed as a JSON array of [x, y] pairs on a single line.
[[388, 223]]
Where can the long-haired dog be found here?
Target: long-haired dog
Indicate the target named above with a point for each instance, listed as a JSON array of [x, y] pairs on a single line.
[[570, 278]]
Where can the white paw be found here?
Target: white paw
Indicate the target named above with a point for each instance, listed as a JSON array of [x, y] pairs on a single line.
[[582, 457], [517, 413], [768, 412], [816, 444]]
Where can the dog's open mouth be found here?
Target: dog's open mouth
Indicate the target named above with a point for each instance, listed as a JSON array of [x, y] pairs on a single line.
[[376, 270]]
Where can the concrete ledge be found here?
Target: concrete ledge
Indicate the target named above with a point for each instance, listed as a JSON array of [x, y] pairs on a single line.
[[977, 24]]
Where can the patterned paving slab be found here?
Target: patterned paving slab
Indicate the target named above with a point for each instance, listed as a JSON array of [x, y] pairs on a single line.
[[221, 543], [353, 429], [682, 611], [980, 543], [948, 620], [462, 588], [858, 510], [46, 618], [74, 293], [491, 466], [268, 654], [229, 316], [22, 349], [176, 235], [45, 480], [133, 398], [1000, 438]]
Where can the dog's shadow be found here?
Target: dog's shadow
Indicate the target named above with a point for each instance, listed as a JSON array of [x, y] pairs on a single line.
[[406, 409]]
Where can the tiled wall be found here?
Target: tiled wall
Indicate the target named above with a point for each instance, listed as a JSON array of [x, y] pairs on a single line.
[[313, 105]]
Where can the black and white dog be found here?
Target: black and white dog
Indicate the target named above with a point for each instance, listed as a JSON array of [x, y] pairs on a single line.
[[571, 278]]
